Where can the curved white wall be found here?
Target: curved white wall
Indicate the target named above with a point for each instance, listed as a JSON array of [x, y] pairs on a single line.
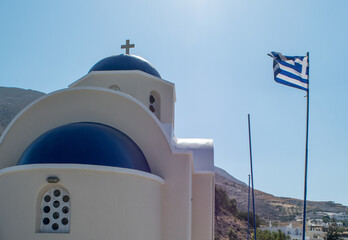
[[88, 104], [106, 202], [138, 85]]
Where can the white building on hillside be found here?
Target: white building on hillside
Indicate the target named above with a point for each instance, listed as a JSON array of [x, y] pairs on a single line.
[[292, 232], [99, 160]]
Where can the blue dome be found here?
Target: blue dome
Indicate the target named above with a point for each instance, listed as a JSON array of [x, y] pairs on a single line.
[[85, 143], [125, 62]]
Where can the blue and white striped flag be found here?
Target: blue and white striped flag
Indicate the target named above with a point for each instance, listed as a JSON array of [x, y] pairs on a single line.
[[291, 71]]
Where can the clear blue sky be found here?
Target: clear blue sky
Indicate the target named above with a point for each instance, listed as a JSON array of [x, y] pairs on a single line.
[[215, 53]]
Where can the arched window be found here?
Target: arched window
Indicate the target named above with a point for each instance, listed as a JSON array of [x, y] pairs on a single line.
[[155, 104], [55, 211], [115, 87]]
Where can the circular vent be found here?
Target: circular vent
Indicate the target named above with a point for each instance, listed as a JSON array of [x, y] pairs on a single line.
[[55, 211]]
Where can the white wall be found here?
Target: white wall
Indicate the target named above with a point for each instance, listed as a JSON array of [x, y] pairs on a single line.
[[203, 189], [106, 202], [136, 84]]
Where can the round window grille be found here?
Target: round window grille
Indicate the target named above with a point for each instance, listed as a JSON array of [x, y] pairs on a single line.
[[55, 211]]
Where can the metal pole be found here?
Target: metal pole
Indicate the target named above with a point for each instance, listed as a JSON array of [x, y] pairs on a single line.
[[252, 176], [248, 207], [306, 162]]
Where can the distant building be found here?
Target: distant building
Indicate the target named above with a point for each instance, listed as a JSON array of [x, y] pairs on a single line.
[[340, 216], [317, 229], [344, 235], [293, 233]]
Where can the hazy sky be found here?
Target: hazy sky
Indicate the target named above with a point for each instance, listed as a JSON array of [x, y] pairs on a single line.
[[216, 54]]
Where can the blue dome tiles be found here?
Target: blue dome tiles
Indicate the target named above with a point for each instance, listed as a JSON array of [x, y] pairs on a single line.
[[125, 62], [85, 143]]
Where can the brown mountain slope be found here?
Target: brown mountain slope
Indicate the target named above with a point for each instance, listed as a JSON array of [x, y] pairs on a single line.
[[13, 100], [227, 223], [270, 207]]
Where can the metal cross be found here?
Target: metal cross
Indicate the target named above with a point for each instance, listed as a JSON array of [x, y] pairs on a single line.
[[127, 46]]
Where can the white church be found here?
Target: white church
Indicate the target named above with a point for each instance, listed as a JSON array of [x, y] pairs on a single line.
[[99, 160]]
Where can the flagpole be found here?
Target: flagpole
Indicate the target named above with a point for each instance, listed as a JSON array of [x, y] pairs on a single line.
[[248, 207], [306, 162], [252, 176]]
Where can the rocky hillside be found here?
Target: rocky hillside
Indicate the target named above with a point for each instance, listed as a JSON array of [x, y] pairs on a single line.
[[13, 100], [228, 223], [268, 206]]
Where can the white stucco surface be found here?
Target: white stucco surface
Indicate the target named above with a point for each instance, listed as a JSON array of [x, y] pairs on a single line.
[[136, 84], [202, 149], [101, 203]]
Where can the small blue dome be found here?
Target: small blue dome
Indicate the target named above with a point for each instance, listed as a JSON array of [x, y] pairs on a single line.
[[85, 143], [125, 62]]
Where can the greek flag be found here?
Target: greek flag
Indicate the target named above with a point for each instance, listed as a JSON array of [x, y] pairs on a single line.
[[291, 71]]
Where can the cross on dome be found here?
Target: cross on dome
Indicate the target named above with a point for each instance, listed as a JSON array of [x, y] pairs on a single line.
[[127, 46]]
